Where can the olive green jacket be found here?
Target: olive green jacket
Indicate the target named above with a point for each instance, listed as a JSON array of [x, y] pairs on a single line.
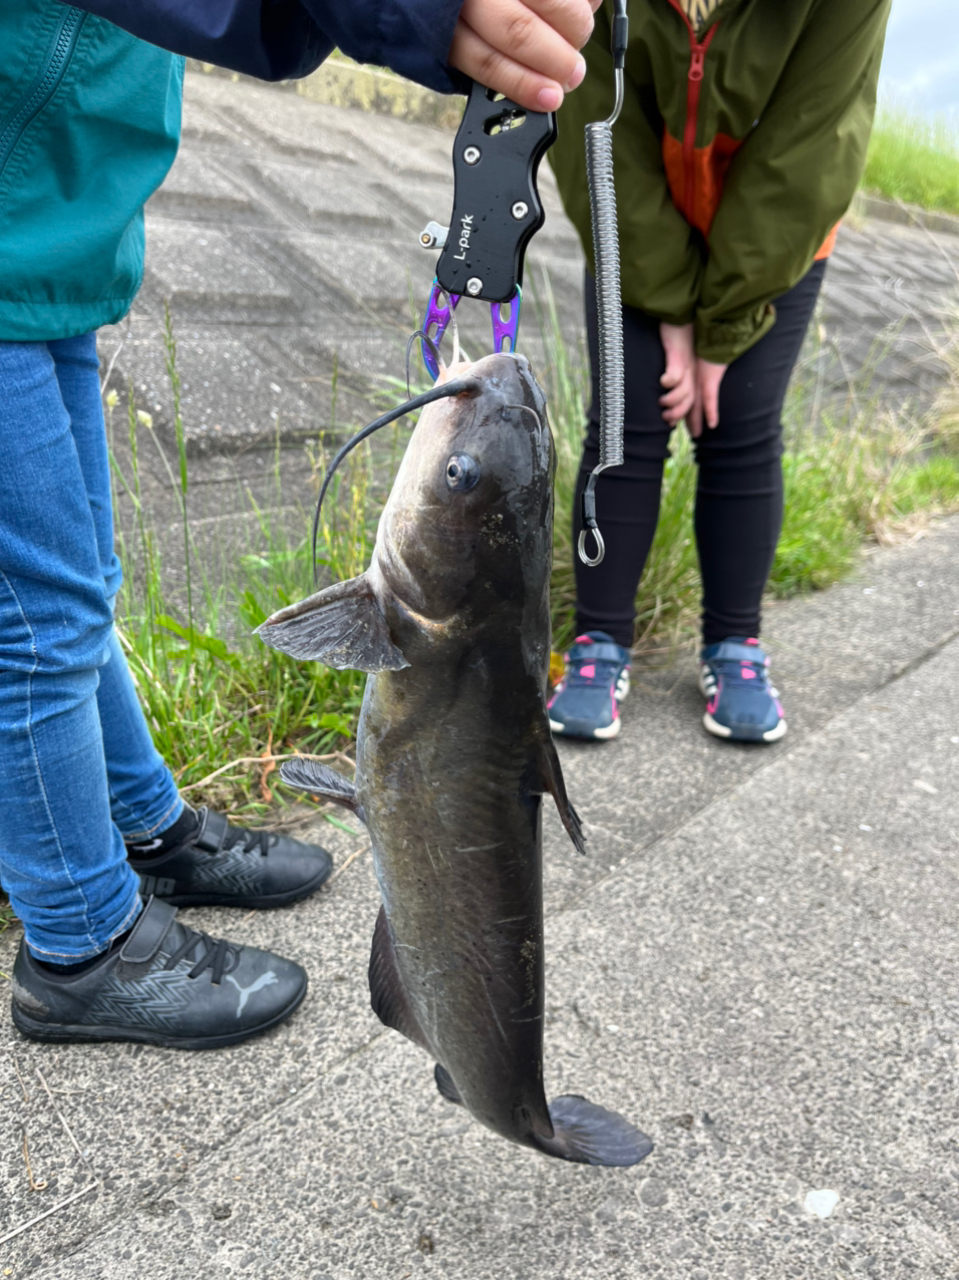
[[736, 154]]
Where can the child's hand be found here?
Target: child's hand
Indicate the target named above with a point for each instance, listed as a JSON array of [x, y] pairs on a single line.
[[527, 49], [679, 379], [708, 378]]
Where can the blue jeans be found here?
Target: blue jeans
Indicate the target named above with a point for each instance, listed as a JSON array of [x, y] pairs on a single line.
[[78, 768]]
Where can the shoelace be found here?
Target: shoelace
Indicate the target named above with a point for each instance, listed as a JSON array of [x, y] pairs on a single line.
[[214, 954]]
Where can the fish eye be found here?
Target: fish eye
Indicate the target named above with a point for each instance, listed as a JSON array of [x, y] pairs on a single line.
[[462, 472]]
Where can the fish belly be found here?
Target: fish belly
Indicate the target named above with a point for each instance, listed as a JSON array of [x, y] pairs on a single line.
[[457, 844]]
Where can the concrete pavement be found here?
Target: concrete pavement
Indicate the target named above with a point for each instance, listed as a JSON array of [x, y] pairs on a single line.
[[758, 961]]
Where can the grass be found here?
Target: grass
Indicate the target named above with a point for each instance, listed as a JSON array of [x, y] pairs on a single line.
[[223, 707], [211, 701], [914, 159], [852, 471]]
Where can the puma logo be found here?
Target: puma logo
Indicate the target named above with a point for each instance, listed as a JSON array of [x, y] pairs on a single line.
[[159, 886], [264, 980]]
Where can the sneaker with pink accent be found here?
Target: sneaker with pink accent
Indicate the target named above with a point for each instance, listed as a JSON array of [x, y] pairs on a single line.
[[585, 703], [734, 676]]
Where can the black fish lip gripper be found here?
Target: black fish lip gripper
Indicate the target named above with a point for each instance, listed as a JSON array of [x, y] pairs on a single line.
[[496, 212]]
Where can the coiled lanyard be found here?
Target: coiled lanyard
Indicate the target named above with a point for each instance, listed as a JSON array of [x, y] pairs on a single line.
[[496, 212], [609, 299]]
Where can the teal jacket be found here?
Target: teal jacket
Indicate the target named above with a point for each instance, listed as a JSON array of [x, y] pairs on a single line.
[[89, 126]]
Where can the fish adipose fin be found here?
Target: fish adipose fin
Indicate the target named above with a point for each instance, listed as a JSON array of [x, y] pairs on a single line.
[[553, 782], [588, 1134], [342, 626], [444, 1082], [320, 780], [388, 996]]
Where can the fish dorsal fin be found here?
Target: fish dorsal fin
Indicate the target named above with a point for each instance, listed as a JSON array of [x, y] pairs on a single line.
[[551, 776], [342, 626], [320, 780], [388, 996]]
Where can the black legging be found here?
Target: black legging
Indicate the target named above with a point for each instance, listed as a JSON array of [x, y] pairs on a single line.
[[739, 496]]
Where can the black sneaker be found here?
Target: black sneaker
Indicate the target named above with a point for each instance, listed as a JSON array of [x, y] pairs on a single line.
[[224, 866], [166, 984]]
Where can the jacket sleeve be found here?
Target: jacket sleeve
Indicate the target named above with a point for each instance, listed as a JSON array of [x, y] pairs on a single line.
[[794, 176], [284, 39], [661, 264]]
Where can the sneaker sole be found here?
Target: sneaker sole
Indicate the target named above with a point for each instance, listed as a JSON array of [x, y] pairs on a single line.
[[78, 1034], [253, 902], [723, 731], [603, 735]]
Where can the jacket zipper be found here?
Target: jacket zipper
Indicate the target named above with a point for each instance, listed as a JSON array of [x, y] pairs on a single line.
[[44, 85], [694, 79]]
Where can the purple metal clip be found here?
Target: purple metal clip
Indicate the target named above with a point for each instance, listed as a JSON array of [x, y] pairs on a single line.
[[438, 314], [504, 331]]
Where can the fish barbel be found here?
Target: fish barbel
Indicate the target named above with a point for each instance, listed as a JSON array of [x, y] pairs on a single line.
[[454, 753]]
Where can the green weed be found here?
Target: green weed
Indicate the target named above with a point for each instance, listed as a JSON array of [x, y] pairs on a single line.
[[223, 707], [914, 159], [213, 701]]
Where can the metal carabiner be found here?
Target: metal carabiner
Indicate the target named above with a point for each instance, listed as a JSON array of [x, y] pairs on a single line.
[[438, 314], [505, 331]]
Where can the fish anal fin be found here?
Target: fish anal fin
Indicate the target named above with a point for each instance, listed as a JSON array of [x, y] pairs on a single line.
[[444, 1082], [551, 774], [588, 1134], [342, 626], [388, 996], [320, 780]]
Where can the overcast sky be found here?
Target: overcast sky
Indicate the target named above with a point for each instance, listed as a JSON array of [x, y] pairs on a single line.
[[921, 61]]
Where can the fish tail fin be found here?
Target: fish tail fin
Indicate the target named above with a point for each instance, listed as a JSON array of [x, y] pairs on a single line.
[[588, 1134]]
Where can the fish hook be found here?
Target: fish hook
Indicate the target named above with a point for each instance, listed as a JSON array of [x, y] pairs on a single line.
[[434, 351], [527, 408]]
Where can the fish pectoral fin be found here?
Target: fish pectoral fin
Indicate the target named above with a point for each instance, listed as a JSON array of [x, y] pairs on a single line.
[[444, 1082], [320, 780], [342, 626], [551, 772], [388, 996], [587, 1134]]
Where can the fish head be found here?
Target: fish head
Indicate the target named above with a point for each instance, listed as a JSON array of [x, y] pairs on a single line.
[[464, 542], [469, 520]]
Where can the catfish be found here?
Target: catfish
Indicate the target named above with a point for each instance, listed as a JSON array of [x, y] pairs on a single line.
[[454, 753]]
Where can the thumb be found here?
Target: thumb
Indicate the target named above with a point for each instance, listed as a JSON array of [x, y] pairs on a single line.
[[711, 402], [710, 377], [674, 367]]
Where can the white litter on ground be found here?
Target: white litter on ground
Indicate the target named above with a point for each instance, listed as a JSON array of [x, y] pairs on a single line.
[[821, 1203]]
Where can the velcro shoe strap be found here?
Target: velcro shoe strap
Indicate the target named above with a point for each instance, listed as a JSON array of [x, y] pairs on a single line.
[[212, 833], [728, 651], [148, 932], [596, 653]]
